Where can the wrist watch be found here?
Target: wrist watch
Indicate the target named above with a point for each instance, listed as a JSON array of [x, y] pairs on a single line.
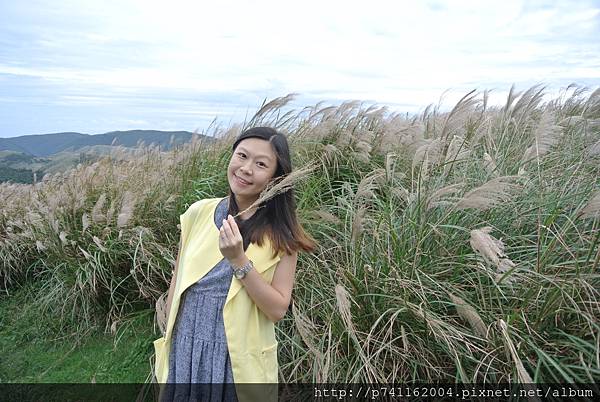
[[240, 273]]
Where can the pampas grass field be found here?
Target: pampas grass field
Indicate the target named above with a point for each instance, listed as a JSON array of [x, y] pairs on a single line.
[[454, 246]]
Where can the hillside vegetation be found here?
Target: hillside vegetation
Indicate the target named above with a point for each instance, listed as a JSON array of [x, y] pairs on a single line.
[[454, 246], [49, 144]]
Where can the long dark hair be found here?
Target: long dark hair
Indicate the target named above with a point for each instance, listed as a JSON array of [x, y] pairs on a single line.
[[276, 218]]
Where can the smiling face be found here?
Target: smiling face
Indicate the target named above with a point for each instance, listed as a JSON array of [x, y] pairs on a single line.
[[250, 169]]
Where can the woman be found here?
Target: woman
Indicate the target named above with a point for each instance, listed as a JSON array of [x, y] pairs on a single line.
[[234, 277]]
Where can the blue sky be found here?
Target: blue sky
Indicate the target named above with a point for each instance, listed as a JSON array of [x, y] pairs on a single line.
[[98, 66]]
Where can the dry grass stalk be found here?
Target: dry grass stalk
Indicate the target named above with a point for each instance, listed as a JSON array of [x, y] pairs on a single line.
[[327, 216], [329, 151], [484, 131], [457, 151], [357, 224], [344, 138], [321, 131], [512, 95], [307, 328], [592, 208], [280, 186], [87, 255], [440, 329], [428, 152], [99, 244], [85, 222], [490, 194], [126, 209], [401, 193], [40, 246], [404, 338], [489, 164], [367, 185], [343, 301], [460, 113], [110, 212], [97, 215], [54, 223], [390, 165], [275, 104], [364, 147], [434, 200], [161, 312], [546, 135], [323, 375], [594, 149], [523, 375], [470, 315], [492, 250], [529, 101]]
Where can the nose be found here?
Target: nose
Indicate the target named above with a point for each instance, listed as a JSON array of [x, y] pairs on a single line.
[[245, 168]]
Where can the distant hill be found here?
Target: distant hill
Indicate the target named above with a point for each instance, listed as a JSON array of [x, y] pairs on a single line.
[[40, 144], [43, 145], [52, 153]]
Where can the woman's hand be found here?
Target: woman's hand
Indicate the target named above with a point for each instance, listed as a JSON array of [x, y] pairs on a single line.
[[230, 240]]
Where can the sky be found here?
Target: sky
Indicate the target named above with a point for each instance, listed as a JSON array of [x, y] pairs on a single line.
[[99, 66]]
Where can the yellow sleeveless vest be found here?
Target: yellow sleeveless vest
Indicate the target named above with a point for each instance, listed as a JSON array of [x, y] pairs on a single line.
[[250, 334]]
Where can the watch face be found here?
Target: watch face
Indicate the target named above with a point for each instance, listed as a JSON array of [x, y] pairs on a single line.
[[238, 274]]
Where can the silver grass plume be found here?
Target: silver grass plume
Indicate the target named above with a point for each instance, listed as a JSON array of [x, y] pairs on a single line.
[[546, 134], [326, 216], [307, 329], [344, 301], [469, 314], [522, 374], [435, 199], [126, 209], [99, 244], [97, 215], [280, 185], [489, 165], [358, 224], [592, 208], [161, 312], [368, 184], [85, 222], [63, 238], [594, 149], [490, 194], [492, 250]]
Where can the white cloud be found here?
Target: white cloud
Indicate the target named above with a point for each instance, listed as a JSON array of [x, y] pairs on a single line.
[[402, 53]]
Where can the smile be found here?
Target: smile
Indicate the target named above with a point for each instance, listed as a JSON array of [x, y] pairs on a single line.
[[242, 181]]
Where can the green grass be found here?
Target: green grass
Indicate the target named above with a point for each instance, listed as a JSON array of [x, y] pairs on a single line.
[[33, 349]]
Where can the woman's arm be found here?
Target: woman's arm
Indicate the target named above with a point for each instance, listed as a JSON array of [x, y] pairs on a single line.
[[173, 281], [273, 299]]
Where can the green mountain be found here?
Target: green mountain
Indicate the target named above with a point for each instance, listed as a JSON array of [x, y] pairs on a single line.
[[52, 153], [42, 145]]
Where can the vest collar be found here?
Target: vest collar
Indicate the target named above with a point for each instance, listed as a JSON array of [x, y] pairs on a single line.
[[211, 254]]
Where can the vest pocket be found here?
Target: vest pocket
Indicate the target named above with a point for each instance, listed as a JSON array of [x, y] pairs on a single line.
[[268, 357]]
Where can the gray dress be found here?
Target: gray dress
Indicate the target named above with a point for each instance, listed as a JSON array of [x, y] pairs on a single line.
[[199, 362]]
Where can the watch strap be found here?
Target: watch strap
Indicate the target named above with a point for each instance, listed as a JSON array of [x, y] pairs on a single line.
[[242, 271]]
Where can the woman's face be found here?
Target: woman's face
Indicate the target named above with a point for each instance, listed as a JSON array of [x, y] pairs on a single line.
[[253, 161]]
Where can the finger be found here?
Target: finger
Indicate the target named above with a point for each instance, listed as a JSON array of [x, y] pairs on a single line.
[[227, 228], [234, 227], [223, 233]]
